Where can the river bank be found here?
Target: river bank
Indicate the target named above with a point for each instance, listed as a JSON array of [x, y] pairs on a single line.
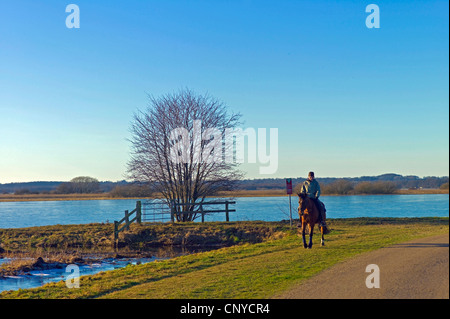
[[238, 193], [46, 247], [246, 269]]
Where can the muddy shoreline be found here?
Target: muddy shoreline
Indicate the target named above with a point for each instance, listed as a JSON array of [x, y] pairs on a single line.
[[21, 263]]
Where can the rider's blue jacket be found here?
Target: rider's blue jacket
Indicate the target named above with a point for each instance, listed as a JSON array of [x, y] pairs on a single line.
[[311, 188]]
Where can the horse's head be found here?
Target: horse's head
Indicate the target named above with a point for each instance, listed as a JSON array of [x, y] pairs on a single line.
[[302, 202]]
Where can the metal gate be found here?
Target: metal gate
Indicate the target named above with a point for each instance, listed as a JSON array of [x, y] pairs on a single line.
[[158, 210], [155, 210]]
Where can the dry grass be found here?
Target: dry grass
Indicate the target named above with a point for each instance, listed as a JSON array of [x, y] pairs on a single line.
[[237, 193], [254, 193], [422, 191]]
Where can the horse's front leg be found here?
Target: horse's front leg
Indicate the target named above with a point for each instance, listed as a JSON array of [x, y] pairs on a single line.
[[311, 230], [303, 234]]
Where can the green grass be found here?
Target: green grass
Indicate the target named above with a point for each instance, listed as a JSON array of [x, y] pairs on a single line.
[[260, 270]]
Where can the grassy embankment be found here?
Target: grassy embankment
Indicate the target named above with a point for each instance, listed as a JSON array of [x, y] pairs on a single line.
[[248, 270], [239, 193]]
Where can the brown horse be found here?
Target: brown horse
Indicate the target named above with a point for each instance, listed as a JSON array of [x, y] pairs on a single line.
[[309, 215]]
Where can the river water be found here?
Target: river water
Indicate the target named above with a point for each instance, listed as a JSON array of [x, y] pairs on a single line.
[[42, 213], [37, 278]]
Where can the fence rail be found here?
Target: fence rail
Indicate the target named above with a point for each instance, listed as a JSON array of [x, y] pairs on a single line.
[[202, 211]]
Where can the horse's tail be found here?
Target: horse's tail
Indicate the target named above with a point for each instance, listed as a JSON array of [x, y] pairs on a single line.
[[324, 230]]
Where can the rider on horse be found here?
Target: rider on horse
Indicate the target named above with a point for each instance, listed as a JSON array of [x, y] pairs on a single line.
[[312, 188]]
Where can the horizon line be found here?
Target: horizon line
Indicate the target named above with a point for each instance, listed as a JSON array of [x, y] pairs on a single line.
[[124, 180]]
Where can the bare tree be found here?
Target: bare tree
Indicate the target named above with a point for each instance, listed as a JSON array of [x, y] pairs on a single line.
[[178, 148]]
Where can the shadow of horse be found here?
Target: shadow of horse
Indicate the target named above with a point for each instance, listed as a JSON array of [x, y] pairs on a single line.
[[309, 215]]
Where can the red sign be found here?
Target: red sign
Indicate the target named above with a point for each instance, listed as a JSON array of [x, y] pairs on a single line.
[[289, 186]]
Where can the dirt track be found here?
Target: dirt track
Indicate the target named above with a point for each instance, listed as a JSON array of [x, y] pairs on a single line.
[[417, 269]]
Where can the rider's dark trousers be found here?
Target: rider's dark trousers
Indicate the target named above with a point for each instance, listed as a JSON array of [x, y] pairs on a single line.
[[321, 208]]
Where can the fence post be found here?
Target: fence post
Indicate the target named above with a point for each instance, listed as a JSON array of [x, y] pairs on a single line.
[[138, 212], [226, 212], [127, 221], [172, 211], [116, 233], [203, 214]]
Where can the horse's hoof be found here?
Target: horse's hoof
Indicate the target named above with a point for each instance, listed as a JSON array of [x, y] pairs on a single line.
[[305, 246]]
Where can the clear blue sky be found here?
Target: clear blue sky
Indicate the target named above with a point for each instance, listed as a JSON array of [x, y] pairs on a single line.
[[347, 100]]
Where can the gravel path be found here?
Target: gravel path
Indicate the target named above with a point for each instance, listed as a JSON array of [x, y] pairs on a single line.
[[411, 270]]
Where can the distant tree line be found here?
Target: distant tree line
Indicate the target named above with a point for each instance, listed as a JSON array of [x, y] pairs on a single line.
[[55, 187], [131, 190], [25, 191], [399, 181], [345, 187], [79, 185], [382, 184]]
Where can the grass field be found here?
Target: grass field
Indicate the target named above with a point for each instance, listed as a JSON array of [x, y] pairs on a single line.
[[260, 270]]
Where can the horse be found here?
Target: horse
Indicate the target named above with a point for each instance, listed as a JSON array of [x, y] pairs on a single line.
[[309, 215]]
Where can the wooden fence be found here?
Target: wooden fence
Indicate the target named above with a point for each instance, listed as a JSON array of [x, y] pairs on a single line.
[[127, 220], [175, 210]]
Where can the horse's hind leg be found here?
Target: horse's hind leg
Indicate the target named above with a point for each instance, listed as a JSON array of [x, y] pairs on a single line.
[[322, 240]]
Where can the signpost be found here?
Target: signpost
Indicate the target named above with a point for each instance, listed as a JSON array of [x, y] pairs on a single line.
[[289, 192]]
